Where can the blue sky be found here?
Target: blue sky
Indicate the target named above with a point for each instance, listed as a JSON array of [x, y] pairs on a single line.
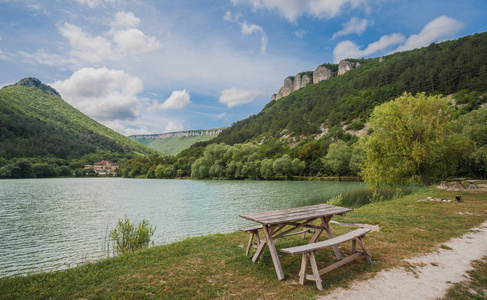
[[140, 66]]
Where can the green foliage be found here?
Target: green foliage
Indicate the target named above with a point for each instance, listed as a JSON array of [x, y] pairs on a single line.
[[412, 136], [129, 237], [174, 145], [338, 158], [356, 125], [243, 161]]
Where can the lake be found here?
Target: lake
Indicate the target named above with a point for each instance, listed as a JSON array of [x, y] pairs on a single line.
[[51, 224]]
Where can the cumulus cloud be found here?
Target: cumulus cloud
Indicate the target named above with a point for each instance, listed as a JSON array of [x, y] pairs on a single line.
[[249, 29], [293, 9], [173, 127], [355, 25], [122, 129], [122, 38], [177, 100], [95, 3], [348, 49], [85, 46], [102, 93], [436, 30], [234, 97]]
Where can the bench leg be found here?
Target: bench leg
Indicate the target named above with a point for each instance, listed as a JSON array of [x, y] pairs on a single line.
[[364, 249], [304, 264], [251, 242], [316, 272]]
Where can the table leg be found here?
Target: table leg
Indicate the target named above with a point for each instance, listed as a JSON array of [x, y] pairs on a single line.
[[273, 251], [324, 224]]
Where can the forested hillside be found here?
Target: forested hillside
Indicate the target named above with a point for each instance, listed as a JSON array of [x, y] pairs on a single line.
[[42, 136], [444, 68]]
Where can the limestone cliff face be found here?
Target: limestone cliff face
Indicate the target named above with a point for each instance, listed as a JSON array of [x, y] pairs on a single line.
[[31, 81], [286, 89], [177, 134], [344, 66], [321, 73], [292, 84]]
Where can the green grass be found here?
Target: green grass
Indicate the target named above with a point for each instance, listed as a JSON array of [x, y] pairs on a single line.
[[215, 266], [473, 288]]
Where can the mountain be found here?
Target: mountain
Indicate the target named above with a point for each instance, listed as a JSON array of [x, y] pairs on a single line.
[[172, 143], [38, 126], [345, 99]]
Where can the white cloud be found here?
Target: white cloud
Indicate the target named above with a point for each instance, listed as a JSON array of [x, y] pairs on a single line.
[[122, 38], [292, 9], [42, 56], [348, 49], [300, 33], [101, 93], [84, 46], [355, 25], [435, 31], [125, 20], [173, 127], [220, 116], [95, 3], [122, 129], [177, 100], [249, 29], [234, 97]]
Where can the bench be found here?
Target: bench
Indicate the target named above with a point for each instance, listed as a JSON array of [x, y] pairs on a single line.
[[254, 233], [308, 252]]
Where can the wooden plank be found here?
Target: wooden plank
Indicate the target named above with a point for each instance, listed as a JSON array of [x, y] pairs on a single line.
[[253, 228], [316, 272], [340, 263], [327, 243], [295, 214], [273, 251]]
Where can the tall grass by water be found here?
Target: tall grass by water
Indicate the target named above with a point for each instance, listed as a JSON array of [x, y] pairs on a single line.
[[358, 198]]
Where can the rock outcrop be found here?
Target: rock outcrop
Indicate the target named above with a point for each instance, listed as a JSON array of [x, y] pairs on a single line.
[[292, 84], [321, 73], [344, 66], [177, 134], [31, 81]]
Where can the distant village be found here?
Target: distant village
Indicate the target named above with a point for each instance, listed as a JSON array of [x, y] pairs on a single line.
[[104, 167]]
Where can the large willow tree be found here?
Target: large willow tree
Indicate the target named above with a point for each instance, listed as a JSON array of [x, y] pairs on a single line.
[[412, 138]]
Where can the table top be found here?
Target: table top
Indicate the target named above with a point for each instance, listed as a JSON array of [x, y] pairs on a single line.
[[286, 216]]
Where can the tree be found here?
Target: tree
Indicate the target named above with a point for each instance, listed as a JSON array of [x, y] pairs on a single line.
[[338, 158], [411, 135]]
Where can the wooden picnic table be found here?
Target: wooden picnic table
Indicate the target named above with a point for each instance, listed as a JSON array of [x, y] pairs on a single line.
[[279, 223], [459, 183]]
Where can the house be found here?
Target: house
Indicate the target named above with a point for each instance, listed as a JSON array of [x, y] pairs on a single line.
[[103, 167]]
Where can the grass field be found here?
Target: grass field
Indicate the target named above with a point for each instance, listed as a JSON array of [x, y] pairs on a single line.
[[215, 266]]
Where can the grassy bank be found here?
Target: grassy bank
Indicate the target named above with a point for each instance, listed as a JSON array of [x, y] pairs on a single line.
[[215, 266]]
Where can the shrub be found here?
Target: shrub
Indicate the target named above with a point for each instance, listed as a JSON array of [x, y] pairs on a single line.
[[129, 237]]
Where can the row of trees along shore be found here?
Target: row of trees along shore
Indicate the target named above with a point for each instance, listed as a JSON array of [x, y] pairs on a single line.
[[412, 138]]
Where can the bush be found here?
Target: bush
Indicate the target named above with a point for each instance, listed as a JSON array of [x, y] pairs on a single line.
[[129, 237], [357, 125]]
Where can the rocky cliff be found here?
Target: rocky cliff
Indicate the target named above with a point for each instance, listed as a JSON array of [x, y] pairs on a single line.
[[177, 134], [321, 73]]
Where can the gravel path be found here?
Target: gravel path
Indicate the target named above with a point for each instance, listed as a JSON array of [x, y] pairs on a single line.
[[430, 277]]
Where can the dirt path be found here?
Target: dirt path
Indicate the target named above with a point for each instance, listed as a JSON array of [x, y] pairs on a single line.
[[430, 277]]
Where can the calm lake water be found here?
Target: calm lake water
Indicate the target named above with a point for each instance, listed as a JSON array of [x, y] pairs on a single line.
[[50, 224]]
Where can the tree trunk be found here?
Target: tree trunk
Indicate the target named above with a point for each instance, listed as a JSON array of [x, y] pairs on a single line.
[[426, 179]]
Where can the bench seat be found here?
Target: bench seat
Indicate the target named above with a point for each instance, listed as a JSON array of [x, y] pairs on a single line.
[[308, 252]]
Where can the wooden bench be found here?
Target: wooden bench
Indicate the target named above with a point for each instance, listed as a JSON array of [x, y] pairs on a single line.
[[254, 233], [308, 252]]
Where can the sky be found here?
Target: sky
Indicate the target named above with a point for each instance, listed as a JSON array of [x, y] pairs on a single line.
[[148, 67]]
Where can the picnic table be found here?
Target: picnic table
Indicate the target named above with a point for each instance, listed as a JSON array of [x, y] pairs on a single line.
[[459, 183], [280, 223]]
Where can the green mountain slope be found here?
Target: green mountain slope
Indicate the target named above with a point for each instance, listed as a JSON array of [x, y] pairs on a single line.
[[36, 123], [175, 142], [443, 68]]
